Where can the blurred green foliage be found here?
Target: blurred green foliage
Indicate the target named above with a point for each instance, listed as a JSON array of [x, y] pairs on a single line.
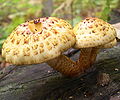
[[106, 11], [95, 8], [14, 12]]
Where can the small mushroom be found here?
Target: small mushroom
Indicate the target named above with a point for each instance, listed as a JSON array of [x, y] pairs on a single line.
[[91, 35]]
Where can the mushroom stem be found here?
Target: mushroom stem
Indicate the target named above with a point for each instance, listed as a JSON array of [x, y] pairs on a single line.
[[84, 59], [63, 64], [70, 68], [93, 55]]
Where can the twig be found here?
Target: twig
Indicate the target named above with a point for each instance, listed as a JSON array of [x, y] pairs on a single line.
[[65, 5]]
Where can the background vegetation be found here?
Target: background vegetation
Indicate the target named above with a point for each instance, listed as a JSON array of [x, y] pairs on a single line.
[[14, 12]]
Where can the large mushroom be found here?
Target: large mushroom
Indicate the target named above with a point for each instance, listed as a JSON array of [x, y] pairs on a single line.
[[38, 41]]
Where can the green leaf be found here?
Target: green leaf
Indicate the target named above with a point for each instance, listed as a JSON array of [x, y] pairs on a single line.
[[106, 11]]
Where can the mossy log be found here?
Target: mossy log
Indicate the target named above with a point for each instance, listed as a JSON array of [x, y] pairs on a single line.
[[40, 82]]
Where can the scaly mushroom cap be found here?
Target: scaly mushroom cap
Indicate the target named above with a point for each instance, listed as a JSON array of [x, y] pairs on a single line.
[[37, 41], [93, 32]]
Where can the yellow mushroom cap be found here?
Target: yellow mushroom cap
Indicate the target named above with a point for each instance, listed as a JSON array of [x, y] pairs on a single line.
[[38, 41], [93, 32]]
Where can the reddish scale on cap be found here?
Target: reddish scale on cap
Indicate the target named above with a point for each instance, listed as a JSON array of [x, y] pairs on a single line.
[[45, 28], [55, 20], [28, 33], [36, 38], [52, 22], [93, 31], [18, 41], [40, 32], [26, 40], [13, 40], [96, 25], [24, 24], [90, 26], [49, 25], [104, 27]]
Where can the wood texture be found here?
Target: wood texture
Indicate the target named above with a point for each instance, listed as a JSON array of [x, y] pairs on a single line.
[[40, 82]]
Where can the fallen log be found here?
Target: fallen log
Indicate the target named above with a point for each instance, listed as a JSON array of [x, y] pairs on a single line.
[[40, 82]]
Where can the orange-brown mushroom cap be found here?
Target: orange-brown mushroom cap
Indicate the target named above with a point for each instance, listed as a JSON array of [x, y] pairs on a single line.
[[38, 41]]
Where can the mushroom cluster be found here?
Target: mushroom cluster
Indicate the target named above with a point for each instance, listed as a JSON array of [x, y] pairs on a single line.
[[45, 39]]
